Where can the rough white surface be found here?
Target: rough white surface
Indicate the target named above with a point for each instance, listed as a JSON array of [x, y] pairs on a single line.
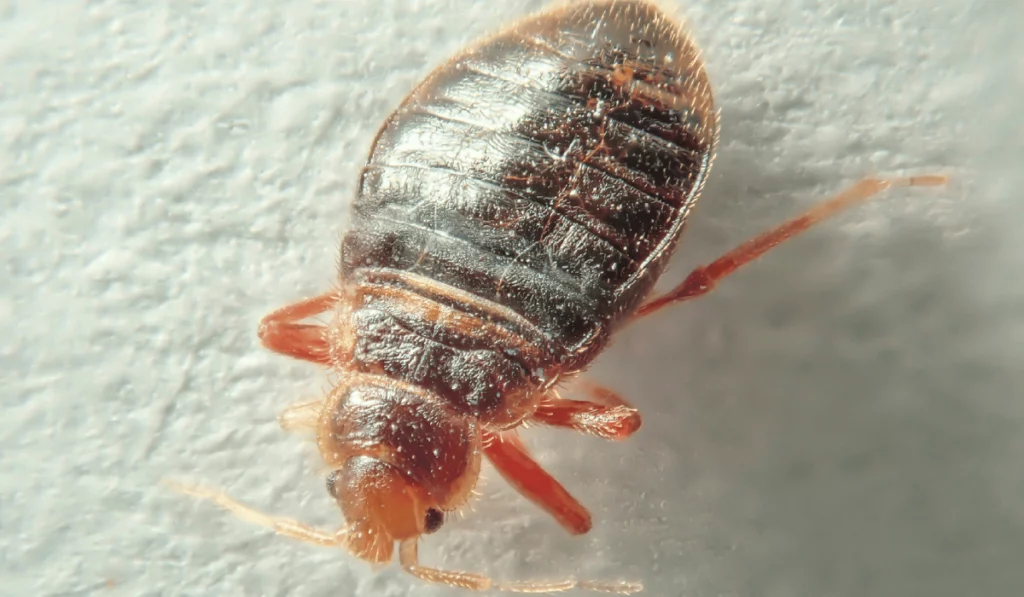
[[844, 418]]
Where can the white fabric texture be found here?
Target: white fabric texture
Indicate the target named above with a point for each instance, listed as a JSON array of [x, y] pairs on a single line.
[[844, 417]]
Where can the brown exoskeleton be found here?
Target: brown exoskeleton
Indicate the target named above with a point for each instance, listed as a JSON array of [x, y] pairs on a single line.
[[515, 210]]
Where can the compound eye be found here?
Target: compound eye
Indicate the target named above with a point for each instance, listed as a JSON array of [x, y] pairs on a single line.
[[434, 520], [332, 484]]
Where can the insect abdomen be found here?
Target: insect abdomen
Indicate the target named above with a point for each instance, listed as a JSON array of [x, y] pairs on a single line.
[[548, 170]]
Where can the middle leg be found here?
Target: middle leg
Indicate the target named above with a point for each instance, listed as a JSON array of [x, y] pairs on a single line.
[[281, 331], [608, 416]]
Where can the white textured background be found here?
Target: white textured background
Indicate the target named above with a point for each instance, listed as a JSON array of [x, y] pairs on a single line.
[[845, 418]]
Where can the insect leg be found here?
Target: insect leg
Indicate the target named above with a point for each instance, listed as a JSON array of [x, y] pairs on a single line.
[[281, 332], [703, 279], [281, 526], [601, 394], [409, 557], [614, 419], [508, 454], [301, 417]]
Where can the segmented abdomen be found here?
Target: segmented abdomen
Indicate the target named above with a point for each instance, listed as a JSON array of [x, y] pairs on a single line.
[[548, 170]]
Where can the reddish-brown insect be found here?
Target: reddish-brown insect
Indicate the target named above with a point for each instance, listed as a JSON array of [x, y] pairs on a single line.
[[515, 210]]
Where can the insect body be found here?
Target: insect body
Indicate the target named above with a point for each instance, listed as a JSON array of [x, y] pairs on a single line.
[[515, 210]]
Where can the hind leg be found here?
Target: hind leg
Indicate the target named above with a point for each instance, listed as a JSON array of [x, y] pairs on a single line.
[[703, 279]]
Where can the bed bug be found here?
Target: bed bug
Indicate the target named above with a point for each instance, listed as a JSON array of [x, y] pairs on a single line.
[[515, 210]]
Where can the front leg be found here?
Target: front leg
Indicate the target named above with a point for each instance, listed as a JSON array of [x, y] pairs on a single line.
[[508, 454], [301, 417]]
